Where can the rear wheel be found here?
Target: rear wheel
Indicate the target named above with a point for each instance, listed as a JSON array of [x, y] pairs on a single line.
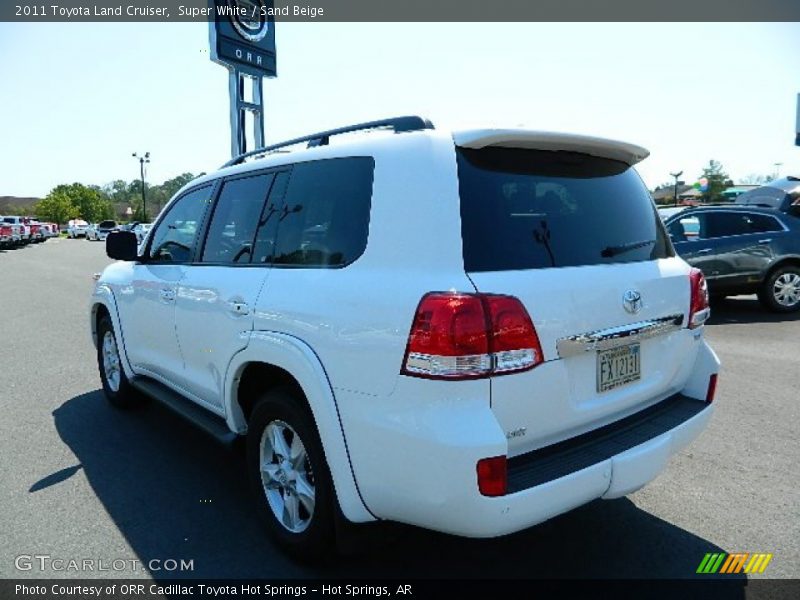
[[781, 290], [117, 388], [289, 475]]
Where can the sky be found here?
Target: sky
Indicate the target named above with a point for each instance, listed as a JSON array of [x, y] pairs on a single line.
[[76, 99]]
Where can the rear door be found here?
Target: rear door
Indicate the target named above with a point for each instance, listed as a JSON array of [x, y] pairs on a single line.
[[578, 240], [216, 298], [742, 247]]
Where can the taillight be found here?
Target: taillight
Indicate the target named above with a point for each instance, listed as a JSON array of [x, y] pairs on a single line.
[[464, 336], [493, 476], [699, 310], [712, 388]]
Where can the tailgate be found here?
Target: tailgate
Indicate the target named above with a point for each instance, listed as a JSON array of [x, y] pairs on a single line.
[[563, 397], [565, 225]]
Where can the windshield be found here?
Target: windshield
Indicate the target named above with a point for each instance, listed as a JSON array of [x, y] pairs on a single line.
[[528, 209], [107, 224]]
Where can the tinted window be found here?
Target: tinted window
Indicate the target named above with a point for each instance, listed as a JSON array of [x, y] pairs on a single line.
[[324, 221], [175, 237], [763, 223], [107, 225], [233, 226], [527, 209], [722, 224], [268, 224]]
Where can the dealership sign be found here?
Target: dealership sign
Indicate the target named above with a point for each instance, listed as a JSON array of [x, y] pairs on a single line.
[[242, 39], [242, 36]]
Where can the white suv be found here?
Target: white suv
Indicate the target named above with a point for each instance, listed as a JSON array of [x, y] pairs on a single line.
[[470, 332]]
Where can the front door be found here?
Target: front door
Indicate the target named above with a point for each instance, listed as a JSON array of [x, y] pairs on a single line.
[[147, 306]]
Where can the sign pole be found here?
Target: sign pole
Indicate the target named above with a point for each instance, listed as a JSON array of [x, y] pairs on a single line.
[[242, 38]]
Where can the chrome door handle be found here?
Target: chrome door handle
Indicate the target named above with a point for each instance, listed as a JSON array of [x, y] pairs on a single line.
[[168, 295], [766, 241], [239, 308], [704, 251]]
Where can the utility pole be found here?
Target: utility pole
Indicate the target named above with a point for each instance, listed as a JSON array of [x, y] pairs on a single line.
[[778, 166], [142, 160], [676, 175]]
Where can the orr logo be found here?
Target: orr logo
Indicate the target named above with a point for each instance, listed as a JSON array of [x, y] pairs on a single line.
[[738, 562]]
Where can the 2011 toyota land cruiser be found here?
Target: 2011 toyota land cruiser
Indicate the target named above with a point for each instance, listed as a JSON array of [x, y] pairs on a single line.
[[470, 332]]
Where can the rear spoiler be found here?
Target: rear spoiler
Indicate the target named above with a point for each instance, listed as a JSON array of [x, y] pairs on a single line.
[[630, 154]]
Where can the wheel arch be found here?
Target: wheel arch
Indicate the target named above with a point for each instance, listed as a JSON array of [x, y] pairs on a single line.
[[792, 259], [103, 303], [276, 359]]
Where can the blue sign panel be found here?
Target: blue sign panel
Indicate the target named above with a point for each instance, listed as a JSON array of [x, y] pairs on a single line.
[[242, 36]]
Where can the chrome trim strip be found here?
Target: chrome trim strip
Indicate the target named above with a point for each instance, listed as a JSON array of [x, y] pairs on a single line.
[[614, 337]]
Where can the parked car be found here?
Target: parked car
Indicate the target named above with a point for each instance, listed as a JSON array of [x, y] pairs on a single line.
[[141, 230], [101, 230], [781, 194], [14, 232], [743, 249], [37, 231], [6, 235], [77, 228], [470, 332], [22, 225]]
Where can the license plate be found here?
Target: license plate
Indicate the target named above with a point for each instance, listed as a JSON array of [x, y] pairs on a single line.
[[618, 366]]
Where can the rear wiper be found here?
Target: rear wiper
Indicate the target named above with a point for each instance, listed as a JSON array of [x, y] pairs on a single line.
[[610, 251], [542, 236]]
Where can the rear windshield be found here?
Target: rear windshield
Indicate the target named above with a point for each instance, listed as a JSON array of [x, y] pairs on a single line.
[[533, 209], [107, 224]]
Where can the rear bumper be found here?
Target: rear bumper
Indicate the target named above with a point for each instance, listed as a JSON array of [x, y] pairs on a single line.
[[560, 479], [417, 463]]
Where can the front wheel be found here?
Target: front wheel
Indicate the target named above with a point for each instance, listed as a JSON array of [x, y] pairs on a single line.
[[781, 291], [289, 475], [116, 387]]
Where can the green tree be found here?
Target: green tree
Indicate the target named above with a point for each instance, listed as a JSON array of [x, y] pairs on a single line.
[[56, 207], [91, 202], [717, 181]]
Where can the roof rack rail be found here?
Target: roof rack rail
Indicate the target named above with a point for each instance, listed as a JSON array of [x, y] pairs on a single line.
[[398, 124]]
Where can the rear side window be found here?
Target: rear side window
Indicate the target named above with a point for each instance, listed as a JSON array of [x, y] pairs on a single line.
[[324, 220], [762, 223], [724, 224], [533, 209], [233, 226]]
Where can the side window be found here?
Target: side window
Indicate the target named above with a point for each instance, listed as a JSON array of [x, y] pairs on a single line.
[[762, 223], [176, 235], [236, 215], [685, 229], [270, 217], [723, 224], [324, 221]]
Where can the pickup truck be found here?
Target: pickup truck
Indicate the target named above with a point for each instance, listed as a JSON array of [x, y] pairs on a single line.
[[6, 238], [22, 226]]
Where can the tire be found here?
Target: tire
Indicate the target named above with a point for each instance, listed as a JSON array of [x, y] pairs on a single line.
[[116, 387], [307, 532], [781, 290]]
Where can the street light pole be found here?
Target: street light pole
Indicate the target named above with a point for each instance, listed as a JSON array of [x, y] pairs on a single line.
[[676, 175], [142, 160], [778, 170]]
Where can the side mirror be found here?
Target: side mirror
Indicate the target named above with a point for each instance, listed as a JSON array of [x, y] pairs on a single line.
[[122, 245]]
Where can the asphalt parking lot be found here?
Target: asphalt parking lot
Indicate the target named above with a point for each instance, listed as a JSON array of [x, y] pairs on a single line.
[[79, 479]]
